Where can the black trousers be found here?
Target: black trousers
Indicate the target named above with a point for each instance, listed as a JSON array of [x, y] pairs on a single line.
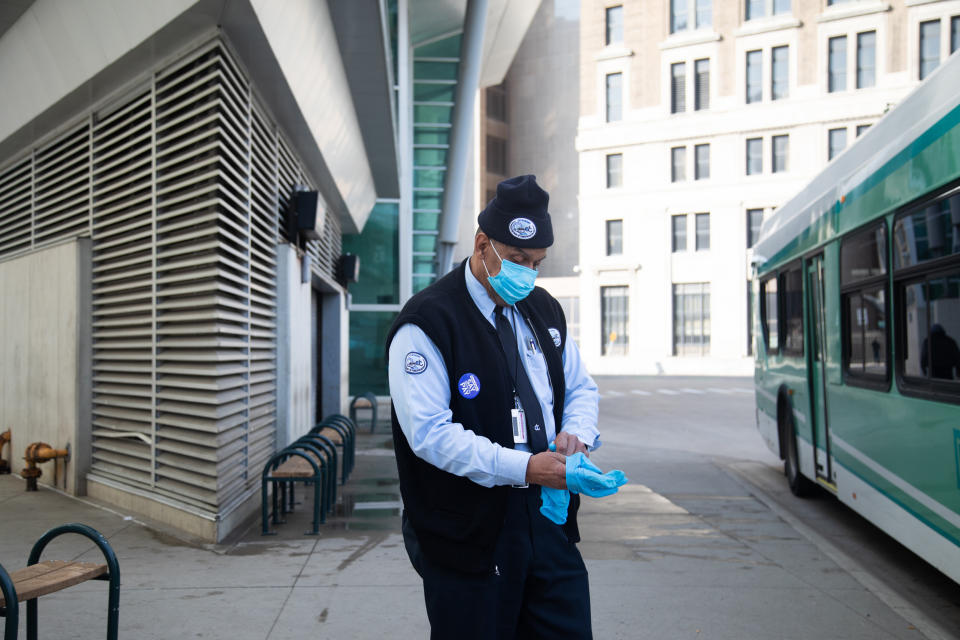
[[539, 588]]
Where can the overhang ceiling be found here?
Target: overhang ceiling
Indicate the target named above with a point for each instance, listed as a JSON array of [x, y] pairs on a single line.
[[10, 12]]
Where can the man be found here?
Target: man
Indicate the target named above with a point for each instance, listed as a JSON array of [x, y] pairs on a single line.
[[483, 379]]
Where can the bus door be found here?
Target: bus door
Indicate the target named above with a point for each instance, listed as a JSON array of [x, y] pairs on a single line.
[[816, 367]]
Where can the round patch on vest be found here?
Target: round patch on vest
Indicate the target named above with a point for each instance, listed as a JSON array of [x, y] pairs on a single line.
[[415, 363], [469, 386], [555, 335], [522, 228]]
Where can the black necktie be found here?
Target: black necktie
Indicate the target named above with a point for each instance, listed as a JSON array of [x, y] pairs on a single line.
[[536, 430]]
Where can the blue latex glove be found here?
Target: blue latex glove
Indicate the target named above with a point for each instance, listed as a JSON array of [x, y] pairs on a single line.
[[582, 477], [585, 477]]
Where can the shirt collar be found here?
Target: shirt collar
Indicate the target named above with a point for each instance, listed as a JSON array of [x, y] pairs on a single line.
[[480, 297]]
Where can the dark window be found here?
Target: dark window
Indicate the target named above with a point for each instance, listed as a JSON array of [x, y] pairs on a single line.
[[754, 222], [614, 20], [614, 170], [754, 76], [779, 147], [678, 164], [929, 233], [678, 87], [768, 314], [863, 269], [701, 156], [703, 231], [836, 142], [837, 64], [704, 13], [614, 237], [756, 9], [791, 284], [930, 313], [497, 103], [861, 129], [678, 226], [701, 97], [614, 316], [749, 319], [954, 33], [614, 97], [866, 59], [678, 15], [780, 73], [754, 156], [929, 47], [496, 155], [691, 319]]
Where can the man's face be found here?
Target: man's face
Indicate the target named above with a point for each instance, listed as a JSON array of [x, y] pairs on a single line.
[[529, 258]]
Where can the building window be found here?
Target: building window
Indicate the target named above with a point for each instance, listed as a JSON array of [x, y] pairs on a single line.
[[754, 156], [704, 13], [614, 316], [614, 20], [614, 170], [678, 226], [691, 319], [614, 237], [614, 97], [754, 222], [701, 96], [791, 286], [768, 315], [861, 128], [496, 155], [929, 47], [780, 72], [866, 59], [954, 33], [863, 276], [703, 231], [678, 87], [678, 15], [754, 76], [678, 164], [571, 311], [756, 9], [780, 148], [497, 103], [781, 6], [701, 157], [836, 142], [837, 64]]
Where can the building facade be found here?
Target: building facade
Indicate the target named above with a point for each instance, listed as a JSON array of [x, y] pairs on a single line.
[[697, 119]]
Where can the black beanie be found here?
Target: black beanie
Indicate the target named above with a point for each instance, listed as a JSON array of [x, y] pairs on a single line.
[[518, 216]]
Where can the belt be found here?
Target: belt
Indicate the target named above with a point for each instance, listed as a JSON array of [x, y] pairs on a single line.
[[525, 485]]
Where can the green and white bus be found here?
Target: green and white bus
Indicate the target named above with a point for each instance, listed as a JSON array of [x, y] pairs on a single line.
[[857, 369]]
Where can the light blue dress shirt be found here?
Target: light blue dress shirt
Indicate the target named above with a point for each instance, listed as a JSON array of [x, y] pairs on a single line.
[[422, 401]]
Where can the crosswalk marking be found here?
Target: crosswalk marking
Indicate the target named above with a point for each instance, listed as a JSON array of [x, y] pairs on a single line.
[[667, 392], [612, 393], [689, 390], [639, 392]]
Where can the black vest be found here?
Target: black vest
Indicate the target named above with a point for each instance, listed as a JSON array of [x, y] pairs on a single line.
[[458, 521]]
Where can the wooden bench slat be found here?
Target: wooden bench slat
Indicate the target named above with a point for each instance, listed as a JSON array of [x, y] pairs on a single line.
[[332, 434], [52, 575]]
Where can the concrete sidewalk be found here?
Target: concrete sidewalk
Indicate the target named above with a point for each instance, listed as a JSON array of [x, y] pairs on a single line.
[[657, 570]]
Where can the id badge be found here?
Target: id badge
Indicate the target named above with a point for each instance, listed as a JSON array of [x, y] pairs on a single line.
[[519, 426]]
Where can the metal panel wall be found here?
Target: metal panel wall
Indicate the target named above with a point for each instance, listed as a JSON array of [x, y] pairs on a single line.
[[182, 187]]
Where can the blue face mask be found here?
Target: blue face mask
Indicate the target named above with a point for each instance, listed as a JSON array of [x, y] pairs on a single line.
[[514, 282]]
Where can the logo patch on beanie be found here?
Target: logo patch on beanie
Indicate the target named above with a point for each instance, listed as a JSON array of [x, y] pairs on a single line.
[[555, 335], [522, 228]]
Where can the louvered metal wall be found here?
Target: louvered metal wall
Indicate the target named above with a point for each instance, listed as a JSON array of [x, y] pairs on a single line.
[[182, 187]]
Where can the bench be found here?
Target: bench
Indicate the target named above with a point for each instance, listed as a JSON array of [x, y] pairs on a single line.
[[365, 400], [43, 578]]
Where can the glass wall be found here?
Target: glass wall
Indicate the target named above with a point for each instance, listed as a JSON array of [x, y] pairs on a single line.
[[378, 248], [368, 361]]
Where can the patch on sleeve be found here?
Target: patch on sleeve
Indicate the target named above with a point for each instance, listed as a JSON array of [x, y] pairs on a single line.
[[469, 386], [414, 363], [555, 334]]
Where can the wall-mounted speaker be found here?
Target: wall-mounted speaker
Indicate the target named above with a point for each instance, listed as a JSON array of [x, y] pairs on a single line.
[[349, 268], [309, 211]]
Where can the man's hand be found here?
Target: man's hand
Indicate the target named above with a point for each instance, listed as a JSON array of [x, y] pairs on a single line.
[[569, 444], [548, 469]]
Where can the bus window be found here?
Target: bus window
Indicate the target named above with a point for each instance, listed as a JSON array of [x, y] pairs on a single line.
[[932, 328], [792, 285], [768, 314], [863, 269]]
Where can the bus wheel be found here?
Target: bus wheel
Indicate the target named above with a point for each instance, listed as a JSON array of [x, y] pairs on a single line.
[[800, 486]]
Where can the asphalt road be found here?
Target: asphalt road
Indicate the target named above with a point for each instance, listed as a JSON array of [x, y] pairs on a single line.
[[820, 570]]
